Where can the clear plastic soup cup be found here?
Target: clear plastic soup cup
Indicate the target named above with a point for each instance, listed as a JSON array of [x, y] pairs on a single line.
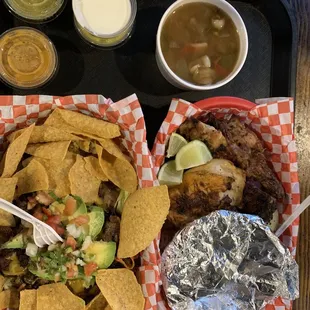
[[174, 79], [28, 58], [103, 40], [36, 11]]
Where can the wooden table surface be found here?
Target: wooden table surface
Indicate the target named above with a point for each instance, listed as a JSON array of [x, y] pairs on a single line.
[[301, 11]]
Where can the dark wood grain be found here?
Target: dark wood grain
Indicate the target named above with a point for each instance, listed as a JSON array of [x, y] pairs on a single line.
[[301, 10]]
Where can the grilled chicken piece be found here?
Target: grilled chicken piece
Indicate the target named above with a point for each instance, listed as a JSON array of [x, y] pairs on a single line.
[[248, 153], [216, 185], [193, 129], [254, 198]]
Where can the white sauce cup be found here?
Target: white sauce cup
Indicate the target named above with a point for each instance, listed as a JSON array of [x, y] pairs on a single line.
[[175, 80]]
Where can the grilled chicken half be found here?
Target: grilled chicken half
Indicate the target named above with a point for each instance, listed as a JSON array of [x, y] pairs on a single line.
[[215, 185], [230, 139]]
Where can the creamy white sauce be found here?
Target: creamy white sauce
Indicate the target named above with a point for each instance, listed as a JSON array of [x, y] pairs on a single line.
[[106, 16]]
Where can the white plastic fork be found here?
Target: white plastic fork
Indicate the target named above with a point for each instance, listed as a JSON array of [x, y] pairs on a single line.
[[43, 234]]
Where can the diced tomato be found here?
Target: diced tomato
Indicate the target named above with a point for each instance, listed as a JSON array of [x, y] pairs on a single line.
[[70, 273], [54, 226], [72, 270], [39, 215], [90, 268], [47, 212], [60, 230], [71, 242], [54, 222], [55, 219], [70, 206], [80, 220]]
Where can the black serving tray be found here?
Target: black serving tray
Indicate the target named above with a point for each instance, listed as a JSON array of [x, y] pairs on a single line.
[[269, 70]]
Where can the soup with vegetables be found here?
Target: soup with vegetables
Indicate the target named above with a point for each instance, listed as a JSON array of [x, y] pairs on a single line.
[[200, 43]]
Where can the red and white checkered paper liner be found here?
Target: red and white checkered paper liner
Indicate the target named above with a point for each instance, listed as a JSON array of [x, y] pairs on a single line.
[[20, 111], [273, 121]]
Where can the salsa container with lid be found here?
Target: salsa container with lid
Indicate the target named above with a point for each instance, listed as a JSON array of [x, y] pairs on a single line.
[[28, 58], [94, 37], [36, 11]]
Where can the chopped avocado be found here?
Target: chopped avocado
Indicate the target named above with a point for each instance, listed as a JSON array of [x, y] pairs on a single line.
[[103, 253], [96, 221], [16, 242], [122, 197], [57, 207], [77, 286]]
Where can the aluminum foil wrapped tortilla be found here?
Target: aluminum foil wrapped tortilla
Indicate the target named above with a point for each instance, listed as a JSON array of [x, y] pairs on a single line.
[[227, 261]]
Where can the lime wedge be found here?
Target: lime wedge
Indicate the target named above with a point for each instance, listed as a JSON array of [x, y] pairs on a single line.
[[193, 154], [176, 142], [168, 175]]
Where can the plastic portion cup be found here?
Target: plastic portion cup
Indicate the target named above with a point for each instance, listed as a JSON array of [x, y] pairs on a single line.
[[36, 11], [99, 39], [28, 59]]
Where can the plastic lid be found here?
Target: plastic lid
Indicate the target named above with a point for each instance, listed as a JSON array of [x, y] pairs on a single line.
[[35, 10], [28, 58]]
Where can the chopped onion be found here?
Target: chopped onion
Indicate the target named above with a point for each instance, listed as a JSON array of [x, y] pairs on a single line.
[[76, 253], [218, 23], [80, 262], [194, 68], [73, 230], [31, 250], [206, 61], [86, 243], [52, 247]]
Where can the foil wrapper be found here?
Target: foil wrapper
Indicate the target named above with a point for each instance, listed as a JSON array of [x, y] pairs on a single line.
[[227, 261]]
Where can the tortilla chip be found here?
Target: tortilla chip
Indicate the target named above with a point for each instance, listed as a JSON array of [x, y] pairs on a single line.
[[120, 288], [28, 300], [82, 183], [52, 150], [7, 188], [43, 133], [15, 152], [118, 171], [9, 299], [143, 216], [2, 280], [58, 297], [7, 192], [61, 118], [84, 145], [58, 174], [93, 167], [111, 147], [98, 303], [32, 178]]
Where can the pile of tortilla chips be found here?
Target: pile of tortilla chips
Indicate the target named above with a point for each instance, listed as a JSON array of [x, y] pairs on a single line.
[[72, 153]]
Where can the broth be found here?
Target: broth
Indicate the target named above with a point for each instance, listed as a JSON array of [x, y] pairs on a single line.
[[200, 43]]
